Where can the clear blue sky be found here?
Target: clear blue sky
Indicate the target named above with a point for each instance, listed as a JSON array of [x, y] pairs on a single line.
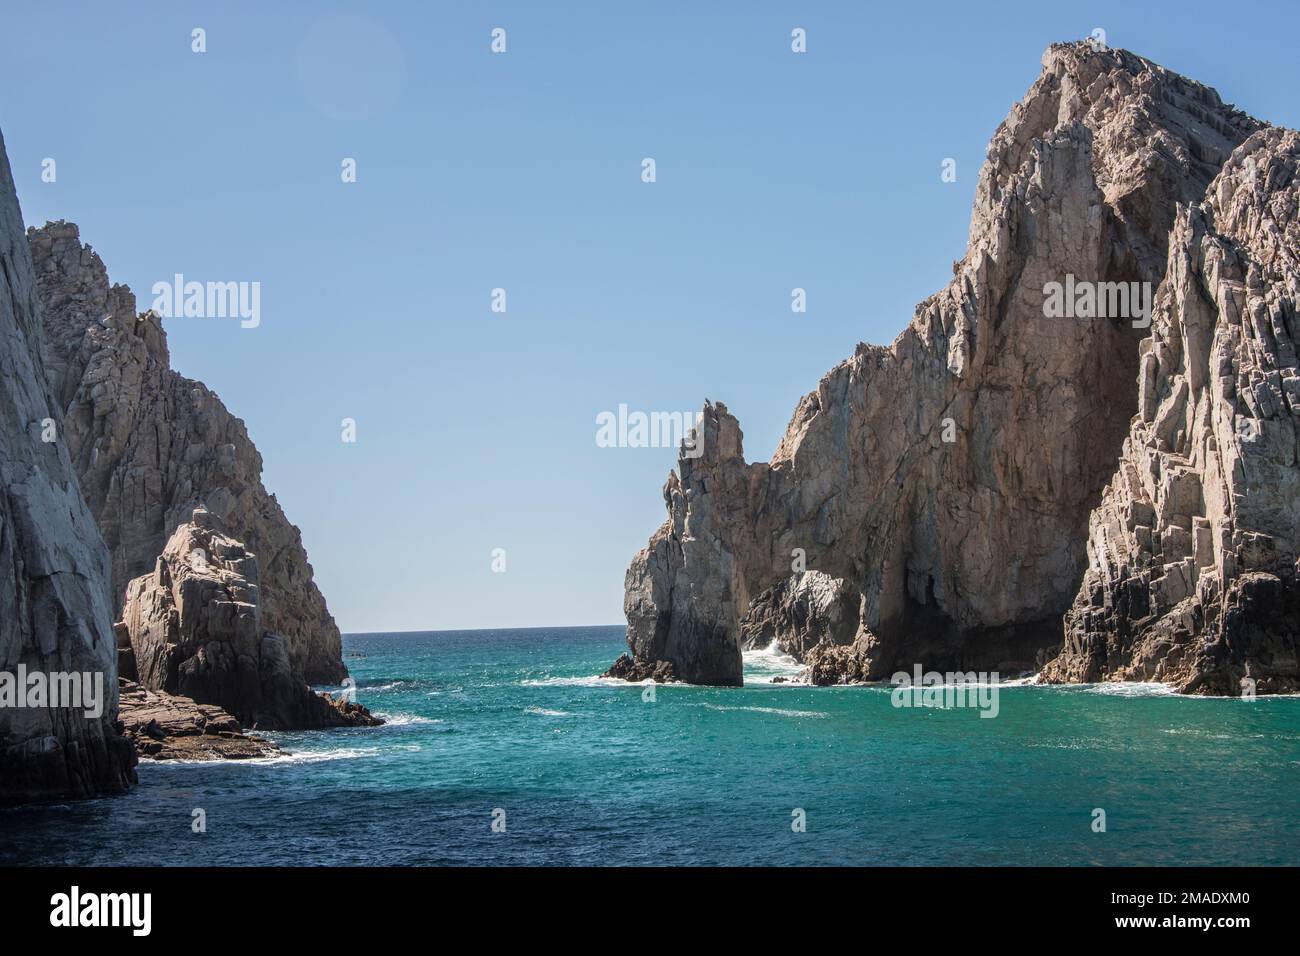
[[477, 430]]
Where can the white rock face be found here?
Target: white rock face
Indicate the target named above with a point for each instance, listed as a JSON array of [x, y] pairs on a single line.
[[1193, 549], [963, 553], [196, 629], [55, 614], [149, 446]]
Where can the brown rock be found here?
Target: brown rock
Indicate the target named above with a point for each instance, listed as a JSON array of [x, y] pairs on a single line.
[[1193, 550], [171, 727], [196, 630], [947, 480], [149, 446]]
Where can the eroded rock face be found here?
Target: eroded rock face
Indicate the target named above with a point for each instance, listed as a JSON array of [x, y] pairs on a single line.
[[55, 615], [801, 612], [149, 446], [196, 629], [1193, 551], [947, 480]]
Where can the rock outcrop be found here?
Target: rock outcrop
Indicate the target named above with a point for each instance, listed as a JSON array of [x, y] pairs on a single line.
[[1193, 551], [149, 446], [170, 727], [945, 483], [55, 615], [196, 629]]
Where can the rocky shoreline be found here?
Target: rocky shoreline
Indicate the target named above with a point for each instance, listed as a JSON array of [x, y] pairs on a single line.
[[171, 727]]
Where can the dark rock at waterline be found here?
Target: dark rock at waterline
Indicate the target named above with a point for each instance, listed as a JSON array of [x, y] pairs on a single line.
[[629, 669]]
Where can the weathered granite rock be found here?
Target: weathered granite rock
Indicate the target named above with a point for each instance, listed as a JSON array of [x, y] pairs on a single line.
[[54, 604], [800, 612], [149, 446], [196, 629], [170, 727], [1193, 550], [947, 480]]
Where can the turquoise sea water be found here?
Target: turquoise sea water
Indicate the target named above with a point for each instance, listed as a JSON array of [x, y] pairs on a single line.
[[589, 772]]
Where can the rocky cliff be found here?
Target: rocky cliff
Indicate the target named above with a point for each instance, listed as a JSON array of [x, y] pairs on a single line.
[[941, 487], [1193, 551], [55, 615], [149, 446], [196, 629]]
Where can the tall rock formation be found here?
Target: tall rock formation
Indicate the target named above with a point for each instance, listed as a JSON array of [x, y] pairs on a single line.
[[55, 616], [943, 485], [149, 446], [1193, 551], [196, 630]]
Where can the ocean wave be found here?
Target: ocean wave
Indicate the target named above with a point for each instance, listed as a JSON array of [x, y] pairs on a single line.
[[1087, 743], [779, 711], [595, 681], [301, 757], [406, 720], [762, 664], [1128, 689], [543, 712]]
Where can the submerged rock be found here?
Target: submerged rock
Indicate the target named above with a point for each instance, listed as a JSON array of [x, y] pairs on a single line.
[[945, 483], [1193, 550]]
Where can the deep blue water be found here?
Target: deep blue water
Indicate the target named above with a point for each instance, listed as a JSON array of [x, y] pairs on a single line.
[[588, 772]]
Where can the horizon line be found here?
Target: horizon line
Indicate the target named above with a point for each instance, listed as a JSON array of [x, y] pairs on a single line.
[[474, 630]]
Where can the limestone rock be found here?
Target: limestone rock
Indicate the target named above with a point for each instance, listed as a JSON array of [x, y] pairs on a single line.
[[947, 480], [196, 629], [149, 446], [170, 727], [54, 605], [1193, 550]]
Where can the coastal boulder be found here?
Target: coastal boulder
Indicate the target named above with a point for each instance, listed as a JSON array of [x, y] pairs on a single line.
[[196, 629]]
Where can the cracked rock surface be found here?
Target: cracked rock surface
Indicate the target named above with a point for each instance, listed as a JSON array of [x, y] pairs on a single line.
[[150, 445], [1193, 550], [941, 487]]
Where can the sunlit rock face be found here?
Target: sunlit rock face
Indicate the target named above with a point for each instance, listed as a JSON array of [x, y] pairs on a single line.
[[149, 446], [944, 484], [1193, 549], [55, 615]]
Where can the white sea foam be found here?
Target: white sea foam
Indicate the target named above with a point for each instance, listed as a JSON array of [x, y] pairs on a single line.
[[763, 664], [302, 757], [543, 712], [585, 682], [405, 720], [779, 711], [1130, 689]]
